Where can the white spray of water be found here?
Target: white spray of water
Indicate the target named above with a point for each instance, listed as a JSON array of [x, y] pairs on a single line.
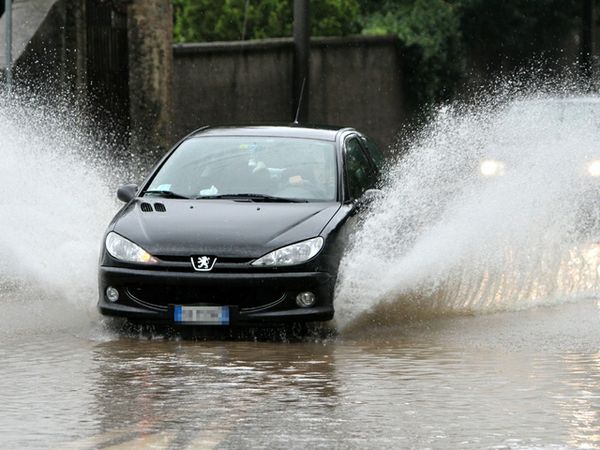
[[446, 239], [443, 239], [54, 205]]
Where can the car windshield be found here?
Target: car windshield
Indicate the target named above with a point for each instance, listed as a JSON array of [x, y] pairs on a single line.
[[260, 168]]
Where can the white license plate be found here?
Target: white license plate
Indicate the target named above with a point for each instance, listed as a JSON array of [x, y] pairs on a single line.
[[202, 315]]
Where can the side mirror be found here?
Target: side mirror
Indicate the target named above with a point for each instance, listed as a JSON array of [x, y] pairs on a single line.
[[127, 192], [371, 195], [365, 200]]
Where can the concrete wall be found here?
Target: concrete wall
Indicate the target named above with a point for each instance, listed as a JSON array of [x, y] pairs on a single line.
[[358, 82], [28, 17], [54, 54], [44, 46], [220, 83], [355, 81]]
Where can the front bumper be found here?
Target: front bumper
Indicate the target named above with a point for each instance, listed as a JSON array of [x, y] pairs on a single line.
[[261, 298]]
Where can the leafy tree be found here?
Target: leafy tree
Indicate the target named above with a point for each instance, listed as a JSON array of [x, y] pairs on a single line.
[[502, 35], [222, 20], [446, 39], [430, 30]]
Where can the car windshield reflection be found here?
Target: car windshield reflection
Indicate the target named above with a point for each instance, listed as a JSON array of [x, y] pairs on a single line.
[[254, 168]]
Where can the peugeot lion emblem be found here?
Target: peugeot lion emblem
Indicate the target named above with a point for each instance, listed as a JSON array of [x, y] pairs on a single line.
[[203, 263]]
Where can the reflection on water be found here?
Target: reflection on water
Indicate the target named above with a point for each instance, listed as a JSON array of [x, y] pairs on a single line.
[[579, 404], [515, 380], [186, 388]]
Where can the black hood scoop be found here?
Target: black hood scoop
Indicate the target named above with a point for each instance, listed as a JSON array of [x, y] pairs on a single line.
[[146, 207], [158, 207]]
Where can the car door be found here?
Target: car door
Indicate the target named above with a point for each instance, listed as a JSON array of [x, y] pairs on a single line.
[[358, 174]]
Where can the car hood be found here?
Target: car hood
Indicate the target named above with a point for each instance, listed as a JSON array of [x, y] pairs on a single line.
[[224, 228]]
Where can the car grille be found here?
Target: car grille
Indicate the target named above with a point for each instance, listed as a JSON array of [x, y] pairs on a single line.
[[187, 259], [160, 297], [184, 263]]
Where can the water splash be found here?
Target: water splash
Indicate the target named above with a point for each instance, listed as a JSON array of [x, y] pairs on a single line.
[[447, 239], [443, 240], [56, 201]]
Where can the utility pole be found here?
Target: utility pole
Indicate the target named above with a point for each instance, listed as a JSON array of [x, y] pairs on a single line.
[[301, 60], [587, 40], [8, 42]]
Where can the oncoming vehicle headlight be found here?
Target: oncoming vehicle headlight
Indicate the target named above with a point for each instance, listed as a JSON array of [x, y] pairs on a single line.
[[491, 168], [292, 254], [593, 168], [125, 250]]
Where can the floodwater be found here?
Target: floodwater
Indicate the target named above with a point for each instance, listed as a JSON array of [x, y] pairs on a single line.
[[528, 379], [467, 308]]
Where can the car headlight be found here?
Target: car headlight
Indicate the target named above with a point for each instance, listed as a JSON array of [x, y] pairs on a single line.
[[292, 254], [491, 168], [593, 168], [125, 250]]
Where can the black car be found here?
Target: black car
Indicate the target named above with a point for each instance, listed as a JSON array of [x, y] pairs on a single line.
[[238, 226]]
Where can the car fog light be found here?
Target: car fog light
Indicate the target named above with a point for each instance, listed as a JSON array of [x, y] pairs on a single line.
[[305, 299], [112, 294]]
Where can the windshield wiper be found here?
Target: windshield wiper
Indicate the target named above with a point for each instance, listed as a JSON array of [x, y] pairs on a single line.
[[253, 197], [166, 194]]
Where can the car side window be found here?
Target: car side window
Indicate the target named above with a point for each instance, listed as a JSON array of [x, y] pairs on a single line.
[[375, 153], [359, 171]]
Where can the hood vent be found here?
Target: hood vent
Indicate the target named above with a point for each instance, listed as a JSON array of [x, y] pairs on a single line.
[[159, 207], [146, 207]]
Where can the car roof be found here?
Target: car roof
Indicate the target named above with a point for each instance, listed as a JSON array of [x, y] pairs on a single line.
[[327, 133]]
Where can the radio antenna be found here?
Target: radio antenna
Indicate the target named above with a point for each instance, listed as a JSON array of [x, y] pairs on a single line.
[[300, 101]]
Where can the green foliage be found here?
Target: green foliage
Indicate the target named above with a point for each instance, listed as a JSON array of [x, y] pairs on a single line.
[[334, 17], [501, 35], [447, 39], [222, 20], [430, 29]]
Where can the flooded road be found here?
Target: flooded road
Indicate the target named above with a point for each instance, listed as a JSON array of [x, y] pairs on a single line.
[[467, 306], [528, 379]]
